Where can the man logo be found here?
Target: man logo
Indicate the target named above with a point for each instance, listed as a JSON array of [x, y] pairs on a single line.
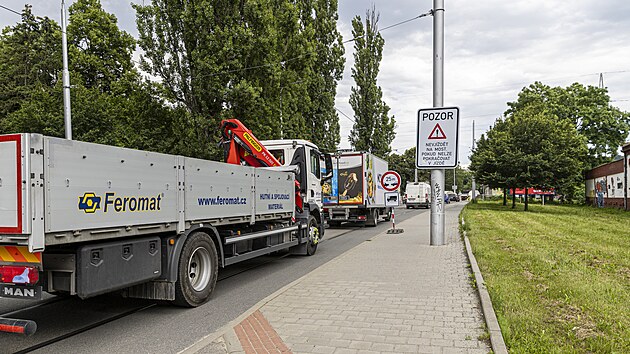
[[89, 203]]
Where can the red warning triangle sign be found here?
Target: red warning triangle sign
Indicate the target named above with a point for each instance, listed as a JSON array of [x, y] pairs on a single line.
[[437, 133]]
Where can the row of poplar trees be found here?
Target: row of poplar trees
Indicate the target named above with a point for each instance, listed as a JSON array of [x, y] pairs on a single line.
[[273, 64], [548, 138]]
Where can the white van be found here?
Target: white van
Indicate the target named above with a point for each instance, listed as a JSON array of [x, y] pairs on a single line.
[[417, 194]]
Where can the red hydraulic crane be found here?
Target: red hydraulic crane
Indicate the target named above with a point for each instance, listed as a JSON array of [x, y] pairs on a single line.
[[242, 148]]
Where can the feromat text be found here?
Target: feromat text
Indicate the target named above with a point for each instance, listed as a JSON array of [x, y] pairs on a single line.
[[132, 204]]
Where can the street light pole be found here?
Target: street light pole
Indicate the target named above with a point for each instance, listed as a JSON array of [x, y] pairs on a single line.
[[474, 185], [437, 176], [281, 121], [67, 118]]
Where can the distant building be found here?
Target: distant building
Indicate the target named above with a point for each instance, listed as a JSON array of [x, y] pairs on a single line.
[[607, 185]]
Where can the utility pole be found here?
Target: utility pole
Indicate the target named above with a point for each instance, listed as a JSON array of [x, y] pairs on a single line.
[[474, 185], [67, 118], [437, 176], [455, 180]]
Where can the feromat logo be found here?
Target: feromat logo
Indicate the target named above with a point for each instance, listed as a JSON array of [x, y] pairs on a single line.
[[90, 202], [252, 141]]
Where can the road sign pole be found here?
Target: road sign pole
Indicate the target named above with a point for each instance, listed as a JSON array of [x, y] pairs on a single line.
[[437, 176]]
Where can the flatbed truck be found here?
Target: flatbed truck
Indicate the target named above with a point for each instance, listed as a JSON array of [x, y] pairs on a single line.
[[84, 219]]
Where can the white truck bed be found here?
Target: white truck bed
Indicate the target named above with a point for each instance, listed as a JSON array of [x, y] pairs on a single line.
[[57, 191]]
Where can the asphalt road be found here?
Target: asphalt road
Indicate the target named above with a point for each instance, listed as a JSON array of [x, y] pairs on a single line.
[[162, 328]]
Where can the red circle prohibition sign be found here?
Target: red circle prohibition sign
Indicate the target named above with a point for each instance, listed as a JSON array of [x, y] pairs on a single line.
[[388, 183]]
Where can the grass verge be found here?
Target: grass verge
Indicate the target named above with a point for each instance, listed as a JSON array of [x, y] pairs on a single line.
[[558, 276]]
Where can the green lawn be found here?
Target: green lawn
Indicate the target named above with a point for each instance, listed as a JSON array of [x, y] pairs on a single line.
[[558, 276]]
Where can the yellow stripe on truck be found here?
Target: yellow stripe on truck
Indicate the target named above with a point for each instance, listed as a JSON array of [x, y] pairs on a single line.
[[31, 258], [18, 254], [5, 255]]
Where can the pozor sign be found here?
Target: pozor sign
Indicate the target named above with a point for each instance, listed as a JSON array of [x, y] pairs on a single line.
[[437, 142]]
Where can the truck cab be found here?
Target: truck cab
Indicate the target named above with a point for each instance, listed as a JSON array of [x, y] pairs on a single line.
[[307, 156]]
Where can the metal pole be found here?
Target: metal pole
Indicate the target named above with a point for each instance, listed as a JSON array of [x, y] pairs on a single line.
[[281, 122], [415, 175], [437, 176], [474, 185], [67, 118], [455, 180]]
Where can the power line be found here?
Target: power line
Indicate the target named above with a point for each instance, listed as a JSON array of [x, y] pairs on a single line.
[[10, 10], [310, 53], [345, 115], [392, 26]]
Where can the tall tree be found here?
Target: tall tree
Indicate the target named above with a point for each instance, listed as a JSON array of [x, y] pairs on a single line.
[[30, 58], [319, 19], [110, 104], [530, 148], [100, 51], [373, 129], [271, 63], [195, 66], [589, 111]]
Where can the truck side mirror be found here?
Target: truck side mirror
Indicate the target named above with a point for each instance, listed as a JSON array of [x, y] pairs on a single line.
[[329, 168]]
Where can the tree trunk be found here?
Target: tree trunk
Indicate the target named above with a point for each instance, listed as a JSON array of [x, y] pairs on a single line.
[[505, 196], [513, 197], [526, 198]]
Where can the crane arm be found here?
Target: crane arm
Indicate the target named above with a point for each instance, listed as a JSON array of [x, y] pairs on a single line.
[[241, 147]]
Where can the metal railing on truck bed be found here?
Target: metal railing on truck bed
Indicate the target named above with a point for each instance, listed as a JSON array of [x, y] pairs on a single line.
[[56, 191]]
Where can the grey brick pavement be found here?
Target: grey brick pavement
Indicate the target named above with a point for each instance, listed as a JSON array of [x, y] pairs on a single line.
[[394, 293]]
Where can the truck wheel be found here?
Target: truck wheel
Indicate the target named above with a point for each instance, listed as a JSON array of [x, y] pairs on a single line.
[[388, 217], [373, 218], [313, 236], [197, 271]]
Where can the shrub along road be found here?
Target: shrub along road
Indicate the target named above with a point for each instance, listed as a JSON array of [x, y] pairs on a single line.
[[558, 276]]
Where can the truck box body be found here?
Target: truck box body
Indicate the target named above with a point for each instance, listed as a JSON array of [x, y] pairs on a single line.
[[56, 191], [355, 185]]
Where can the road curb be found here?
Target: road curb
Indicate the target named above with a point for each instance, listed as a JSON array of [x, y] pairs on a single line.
[[496, 337], [230, 340]]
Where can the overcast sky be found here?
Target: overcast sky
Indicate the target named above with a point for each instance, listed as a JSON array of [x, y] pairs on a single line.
[[492, 49]]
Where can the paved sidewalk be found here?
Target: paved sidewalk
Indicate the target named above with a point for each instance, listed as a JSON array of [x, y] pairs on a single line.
[[393, 293]]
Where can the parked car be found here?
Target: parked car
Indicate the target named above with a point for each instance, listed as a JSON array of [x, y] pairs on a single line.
[[452, 197]]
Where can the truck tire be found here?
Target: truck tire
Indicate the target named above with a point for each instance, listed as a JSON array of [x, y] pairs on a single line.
[[373, 218], [388, 217], [313, 236], [197, 271]]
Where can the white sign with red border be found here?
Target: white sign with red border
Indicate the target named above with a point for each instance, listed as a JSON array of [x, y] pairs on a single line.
[[437, 142], [390, 181]]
